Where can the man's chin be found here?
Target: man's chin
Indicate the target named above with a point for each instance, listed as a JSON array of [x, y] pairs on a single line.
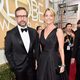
[[22, 25]]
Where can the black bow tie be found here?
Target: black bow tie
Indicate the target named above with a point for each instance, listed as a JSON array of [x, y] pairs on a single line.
[[24, 30]]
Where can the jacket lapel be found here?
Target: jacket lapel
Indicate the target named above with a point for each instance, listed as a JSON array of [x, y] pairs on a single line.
[[18, 37], [31, 37]]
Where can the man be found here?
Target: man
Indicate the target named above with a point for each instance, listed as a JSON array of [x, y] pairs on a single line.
[[76, 51], [22, 47]]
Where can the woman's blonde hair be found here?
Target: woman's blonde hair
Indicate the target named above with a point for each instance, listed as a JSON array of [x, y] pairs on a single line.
[[51, 10]]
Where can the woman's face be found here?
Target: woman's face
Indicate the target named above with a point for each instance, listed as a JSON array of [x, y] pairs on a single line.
[[69, 27], [39, 30], [49, 17]]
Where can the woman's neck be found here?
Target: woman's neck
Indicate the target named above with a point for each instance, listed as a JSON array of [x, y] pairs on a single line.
[[50, 26], [68, 32]]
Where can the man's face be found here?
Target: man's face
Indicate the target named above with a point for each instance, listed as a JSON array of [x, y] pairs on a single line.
[[21, 18], [78, 26]]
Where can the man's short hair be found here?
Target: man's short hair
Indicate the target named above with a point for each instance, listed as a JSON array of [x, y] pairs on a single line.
[[21, 8]]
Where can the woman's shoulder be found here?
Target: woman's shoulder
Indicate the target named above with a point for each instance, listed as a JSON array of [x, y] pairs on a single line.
[[59, 30]]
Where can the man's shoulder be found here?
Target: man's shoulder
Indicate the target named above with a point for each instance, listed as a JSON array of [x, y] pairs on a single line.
[[32, 29], [77, 31], [12, 30]]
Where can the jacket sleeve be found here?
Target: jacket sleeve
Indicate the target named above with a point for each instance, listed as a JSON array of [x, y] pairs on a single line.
[[37, 46], [8, 50], [75, 47]]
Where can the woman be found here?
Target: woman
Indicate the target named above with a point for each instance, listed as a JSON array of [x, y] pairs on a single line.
[[52, 55], [68, 44], [39, 29]]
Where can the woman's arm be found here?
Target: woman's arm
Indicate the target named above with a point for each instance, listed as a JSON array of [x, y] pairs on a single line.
[[60, 37]]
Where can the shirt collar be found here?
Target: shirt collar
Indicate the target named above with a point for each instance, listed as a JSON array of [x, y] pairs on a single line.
[[19, 27], [22, 27]]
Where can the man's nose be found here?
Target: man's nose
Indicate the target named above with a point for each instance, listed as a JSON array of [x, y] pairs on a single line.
[[22, 17]]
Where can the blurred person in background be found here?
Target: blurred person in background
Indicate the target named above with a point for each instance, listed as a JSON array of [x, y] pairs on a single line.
[[76, 51], [39, 29], [68, 45]]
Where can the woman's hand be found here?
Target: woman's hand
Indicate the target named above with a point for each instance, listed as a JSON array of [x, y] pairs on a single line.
[[62, 68]]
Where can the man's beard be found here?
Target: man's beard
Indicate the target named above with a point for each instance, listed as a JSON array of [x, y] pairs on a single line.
[[22, 24]]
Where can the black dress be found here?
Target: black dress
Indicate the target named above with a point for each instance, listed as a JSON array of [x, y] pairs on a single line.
[[49, 57]]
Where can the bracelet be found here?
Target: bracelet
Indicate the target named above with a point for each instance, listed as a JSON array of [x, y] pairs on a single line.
[[63, 65]]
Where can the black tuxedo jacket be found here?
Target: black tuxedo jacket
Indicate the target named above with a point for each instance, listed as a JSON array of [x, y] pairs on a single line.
[[15, 51], [76, 48]]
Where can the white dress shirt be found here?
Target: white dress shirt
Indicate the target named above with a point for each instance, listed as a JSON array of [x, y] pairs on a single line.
[[25, 37]]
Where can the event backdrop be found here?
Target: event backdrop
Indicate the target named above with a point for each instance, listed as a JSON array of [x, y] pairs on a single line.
[[7, 9]]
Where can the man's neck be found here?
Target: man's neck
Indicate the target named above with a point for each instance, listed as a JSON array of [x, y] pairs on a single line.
[[22, 27]]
